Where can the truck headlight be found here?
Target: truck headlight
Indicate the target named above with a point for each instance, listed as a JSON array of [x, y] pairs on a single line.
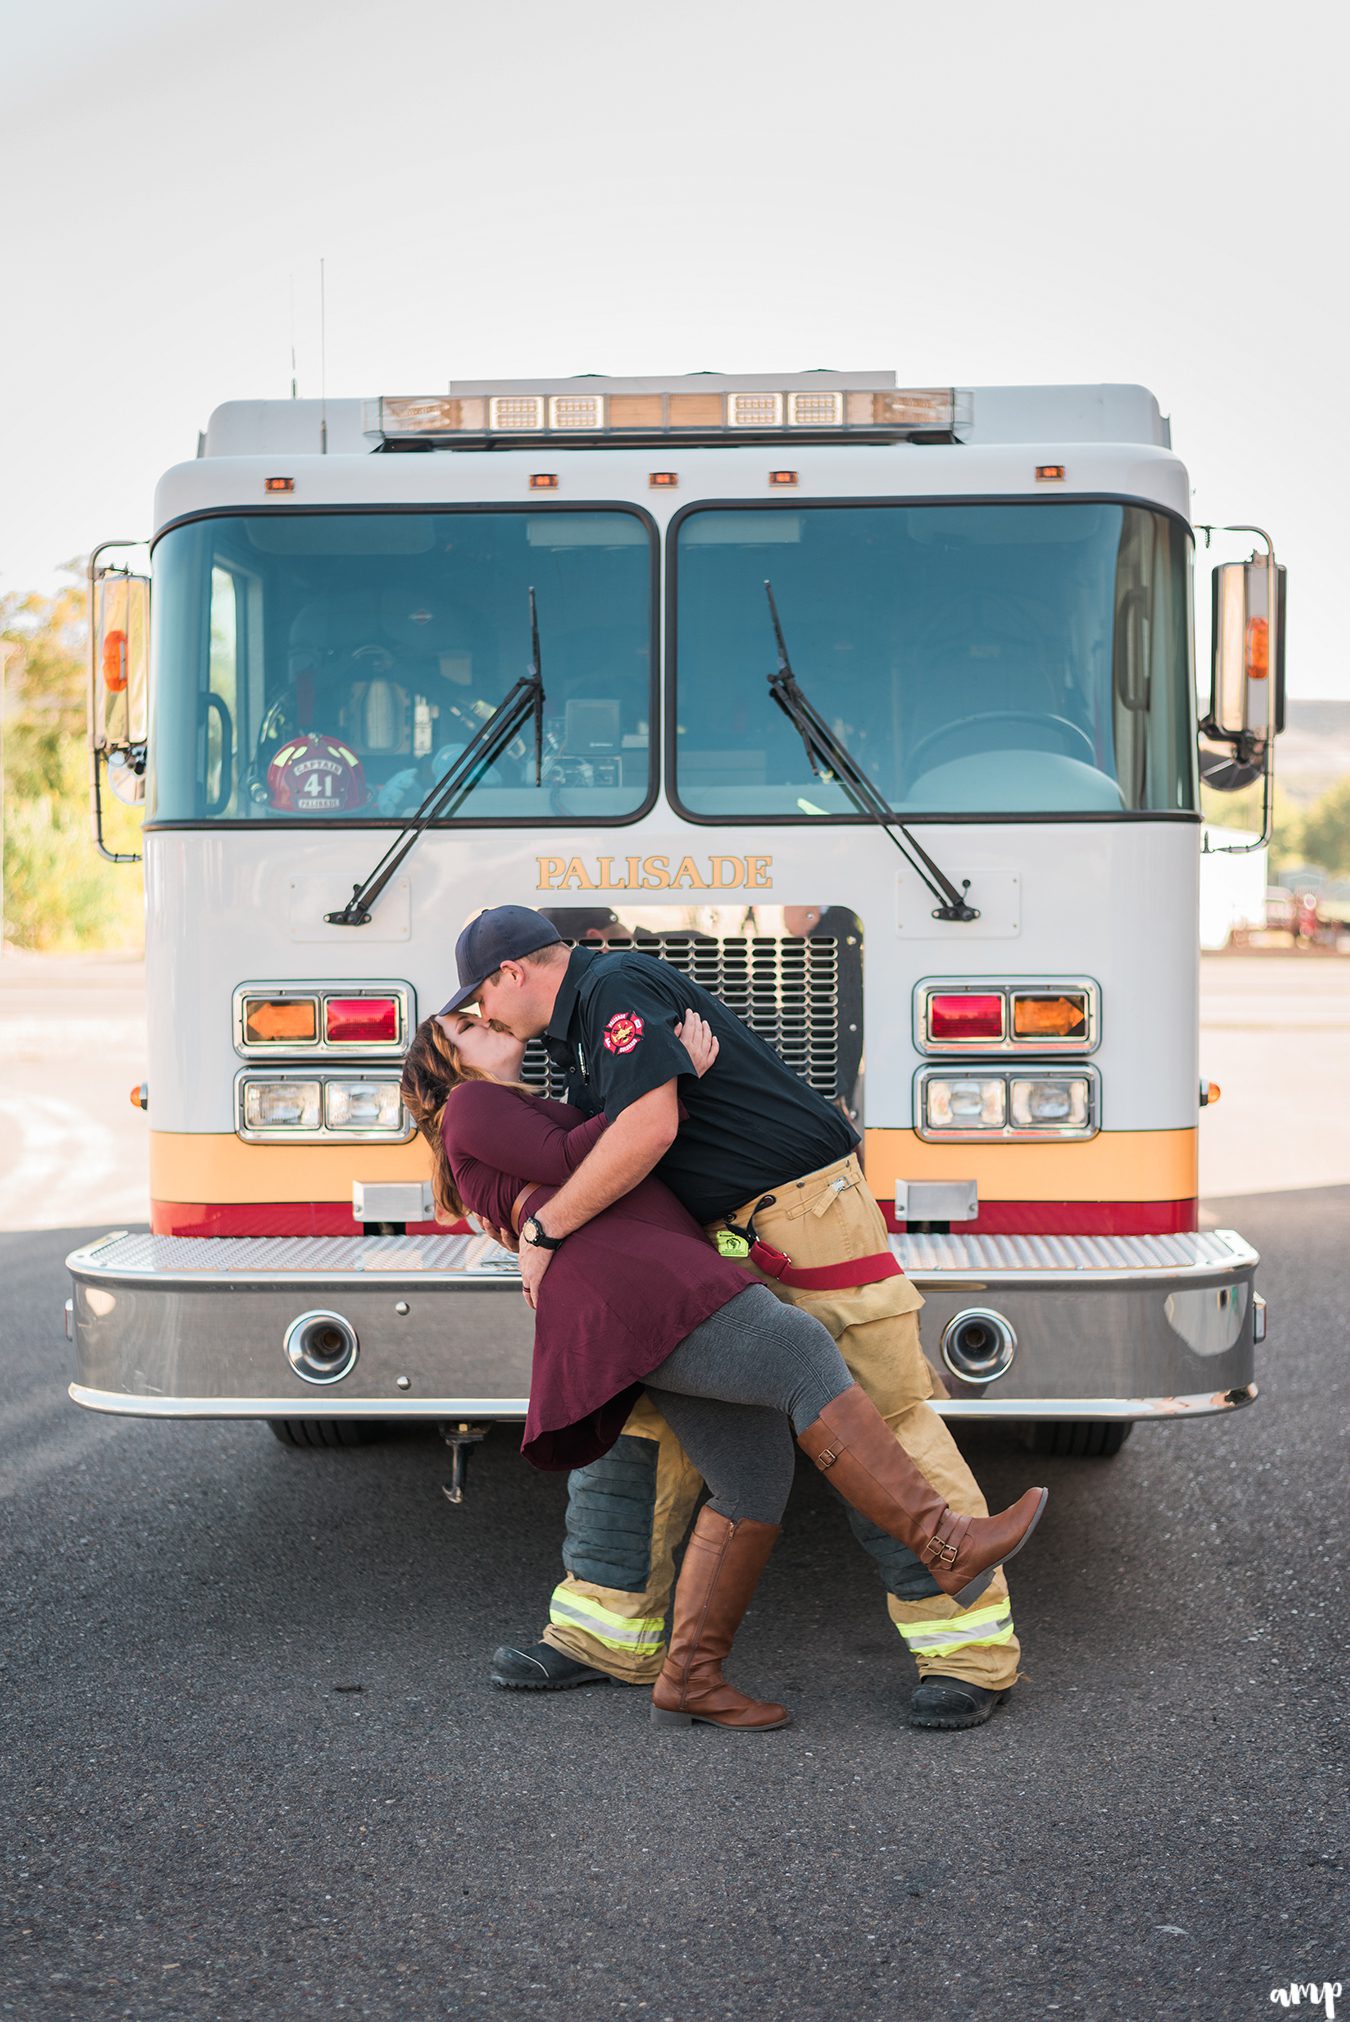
[[282, 1105], [1061, 1102], [1052, 1103], [362, 1105], [967, 1102]]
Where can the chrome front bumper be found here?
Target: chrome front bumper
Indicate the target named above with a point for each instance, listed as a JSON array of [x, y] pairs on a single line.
[[189, 1327]]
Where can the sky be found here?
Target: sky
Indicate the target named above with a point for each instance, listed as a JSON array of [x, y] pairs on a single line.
[[965, 193]]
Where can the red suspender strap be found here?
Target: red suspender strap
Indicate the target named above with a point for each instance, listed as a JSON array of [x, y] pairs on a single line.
[[823, 1277]]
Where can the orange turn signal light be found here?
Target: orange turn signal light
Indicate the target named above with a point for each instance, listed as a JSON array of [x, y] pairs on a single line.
[[1045, 1017], [1258, 649], [783, 477], [663, 480], [278, 1021], [544, 480], [1050, 473], [140, 1096], [115, 662], [279, 484]]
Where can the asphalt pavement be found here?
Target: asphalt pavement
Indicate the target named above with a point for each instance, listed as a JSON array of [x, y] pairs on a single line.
[[254, 1768]]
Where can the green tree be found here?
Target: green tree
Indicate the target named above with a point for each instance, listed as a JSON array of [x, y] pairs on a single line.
[[1243, 810], [58, 892], [1325, 835]]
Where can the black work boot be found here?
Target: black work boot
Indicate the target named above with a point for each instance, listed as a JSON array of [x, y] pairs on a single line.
[[541, 1668], [953, 1702]]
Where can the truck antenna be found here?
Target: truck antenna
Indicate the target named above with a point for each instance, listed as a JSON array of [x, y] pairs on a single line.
[[293, 378], [323, 369]]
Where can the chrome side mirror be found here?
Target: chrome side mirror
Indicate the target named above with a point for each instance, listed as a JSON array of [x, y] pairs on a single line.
[[1247, 653], [126, 775], [119, 639], [1246, 693], [119, 684]]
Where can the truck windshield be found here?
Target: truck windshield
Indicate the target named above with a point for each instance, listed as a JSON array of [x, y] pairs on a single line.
[[321, 666], [975, 659]]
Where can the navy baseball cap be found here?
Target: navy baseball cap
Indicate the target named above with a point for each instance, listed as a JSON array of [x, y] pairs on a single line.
[[501, 934]]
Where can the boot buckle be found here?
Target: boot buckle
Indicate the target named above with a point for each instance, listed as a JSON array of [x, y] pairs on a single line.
[[941, 1553], [826, 1458]]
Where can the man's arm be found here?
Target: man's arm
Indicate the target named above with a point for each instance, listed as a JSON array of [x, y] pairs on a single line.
[[634, 1143]]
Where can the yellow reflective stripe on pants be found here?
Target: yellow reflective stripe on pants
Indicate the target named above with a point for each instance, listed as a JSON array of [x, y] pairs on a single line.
[[954, 1632], [646, 1636]]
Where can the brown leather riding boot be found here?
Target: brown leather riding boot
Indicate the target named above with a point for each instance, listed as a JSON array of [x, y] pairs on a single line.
[[852, 1443], [722, 1564]]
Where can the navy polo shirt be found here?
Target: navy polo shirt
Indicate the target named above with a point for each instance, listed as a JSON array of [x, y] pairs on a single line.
[[751, 1123]]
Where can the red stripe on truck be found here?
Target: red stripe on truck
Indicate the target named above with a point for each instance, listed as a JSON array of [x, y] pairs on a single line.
[[996, 1218], [1071, 1218], [271, 1218]]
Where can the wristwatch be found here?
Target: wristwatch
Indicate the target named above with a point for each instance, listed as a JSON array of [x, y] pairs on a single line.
[[532, 1231]]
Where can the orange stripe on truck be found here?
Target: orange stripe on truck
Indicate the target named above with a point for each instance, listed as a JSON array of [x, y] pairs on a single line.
[[206, 1166], [1116, 1165]]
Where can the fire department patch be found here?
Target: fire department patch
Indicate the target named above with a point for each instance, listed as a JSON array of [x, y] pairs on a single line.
[[623, 1032]]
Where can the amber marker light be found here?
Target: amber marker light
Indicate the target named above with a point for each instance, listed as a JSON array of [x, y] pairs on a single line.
[[543, 480], [1050, 1017], [1258, 649], [1050, 473], [663, 480], [115, 662], [279, 484], [783, 477], [280, 1021]]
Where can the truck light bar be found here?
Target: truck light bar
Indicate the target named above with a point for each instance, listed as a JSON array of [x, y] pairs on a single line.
[[486, 419]]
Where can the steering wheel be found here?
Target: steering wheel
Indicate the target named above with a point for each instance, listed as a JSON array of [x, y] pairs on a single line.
[[1069, 731]]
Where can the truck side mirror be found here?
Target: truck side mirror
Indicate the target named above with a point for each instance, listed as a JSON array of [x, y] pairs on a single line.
[[119, 637], [1247, 651], [119, 687]]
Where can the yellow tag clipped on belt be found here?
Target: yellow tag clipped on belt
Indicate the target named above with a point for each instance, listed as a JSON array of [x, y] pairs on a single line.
[[729, 1244]]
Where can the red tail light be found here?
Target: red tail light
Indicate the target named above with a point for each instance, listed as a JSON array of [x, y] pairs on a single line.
[[361, 1021], [965, 1017]]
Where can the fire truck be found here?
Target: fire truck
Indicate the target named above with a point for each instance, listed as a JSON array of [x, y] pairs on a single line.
[[871, 707]]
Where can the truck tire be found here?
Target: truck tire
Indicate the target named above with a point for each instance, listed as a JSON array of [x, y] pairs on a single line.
[[327, 1431], [1080, 1438]]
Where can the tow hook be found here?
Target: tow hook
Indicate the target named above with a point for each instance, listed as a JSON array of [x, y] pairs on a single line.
[[461, 1440]]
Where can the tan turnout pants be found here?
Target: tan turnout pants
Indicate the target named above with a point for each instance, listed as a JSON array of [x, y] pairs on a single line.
[[827, 1217]]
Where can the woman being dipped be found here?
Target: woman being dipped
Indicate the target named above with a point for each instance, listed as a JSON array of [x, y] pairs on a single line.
[[638, 1298]]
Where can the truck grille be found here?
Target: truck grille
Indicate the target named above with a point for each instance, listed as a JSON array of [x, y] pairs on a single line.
[[804, 996]]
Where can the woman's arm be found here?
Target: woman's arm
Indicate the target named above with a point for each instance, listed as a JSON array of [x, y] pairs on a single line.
[[510, 1131]]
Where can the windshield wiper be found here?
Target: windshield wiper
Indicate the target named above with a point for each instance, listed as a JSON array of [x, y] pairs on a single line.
[[525, 700], [829, 759]]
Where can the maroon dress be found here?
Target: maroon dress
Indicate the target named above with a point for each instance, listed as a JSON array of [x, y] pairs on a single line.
[[616, 1298]]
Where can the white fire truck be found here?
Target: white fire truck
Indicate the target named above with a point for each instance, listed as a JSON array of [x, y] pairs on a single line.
[[872, 708]]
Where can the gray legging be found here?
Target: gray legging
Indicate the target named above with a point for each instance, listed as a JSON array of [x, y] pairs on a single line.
[[736, 1390]]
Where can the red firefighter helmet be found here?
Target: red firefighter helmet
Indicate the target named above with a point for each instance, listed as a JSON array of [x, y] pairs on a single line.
[[313, 773]]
